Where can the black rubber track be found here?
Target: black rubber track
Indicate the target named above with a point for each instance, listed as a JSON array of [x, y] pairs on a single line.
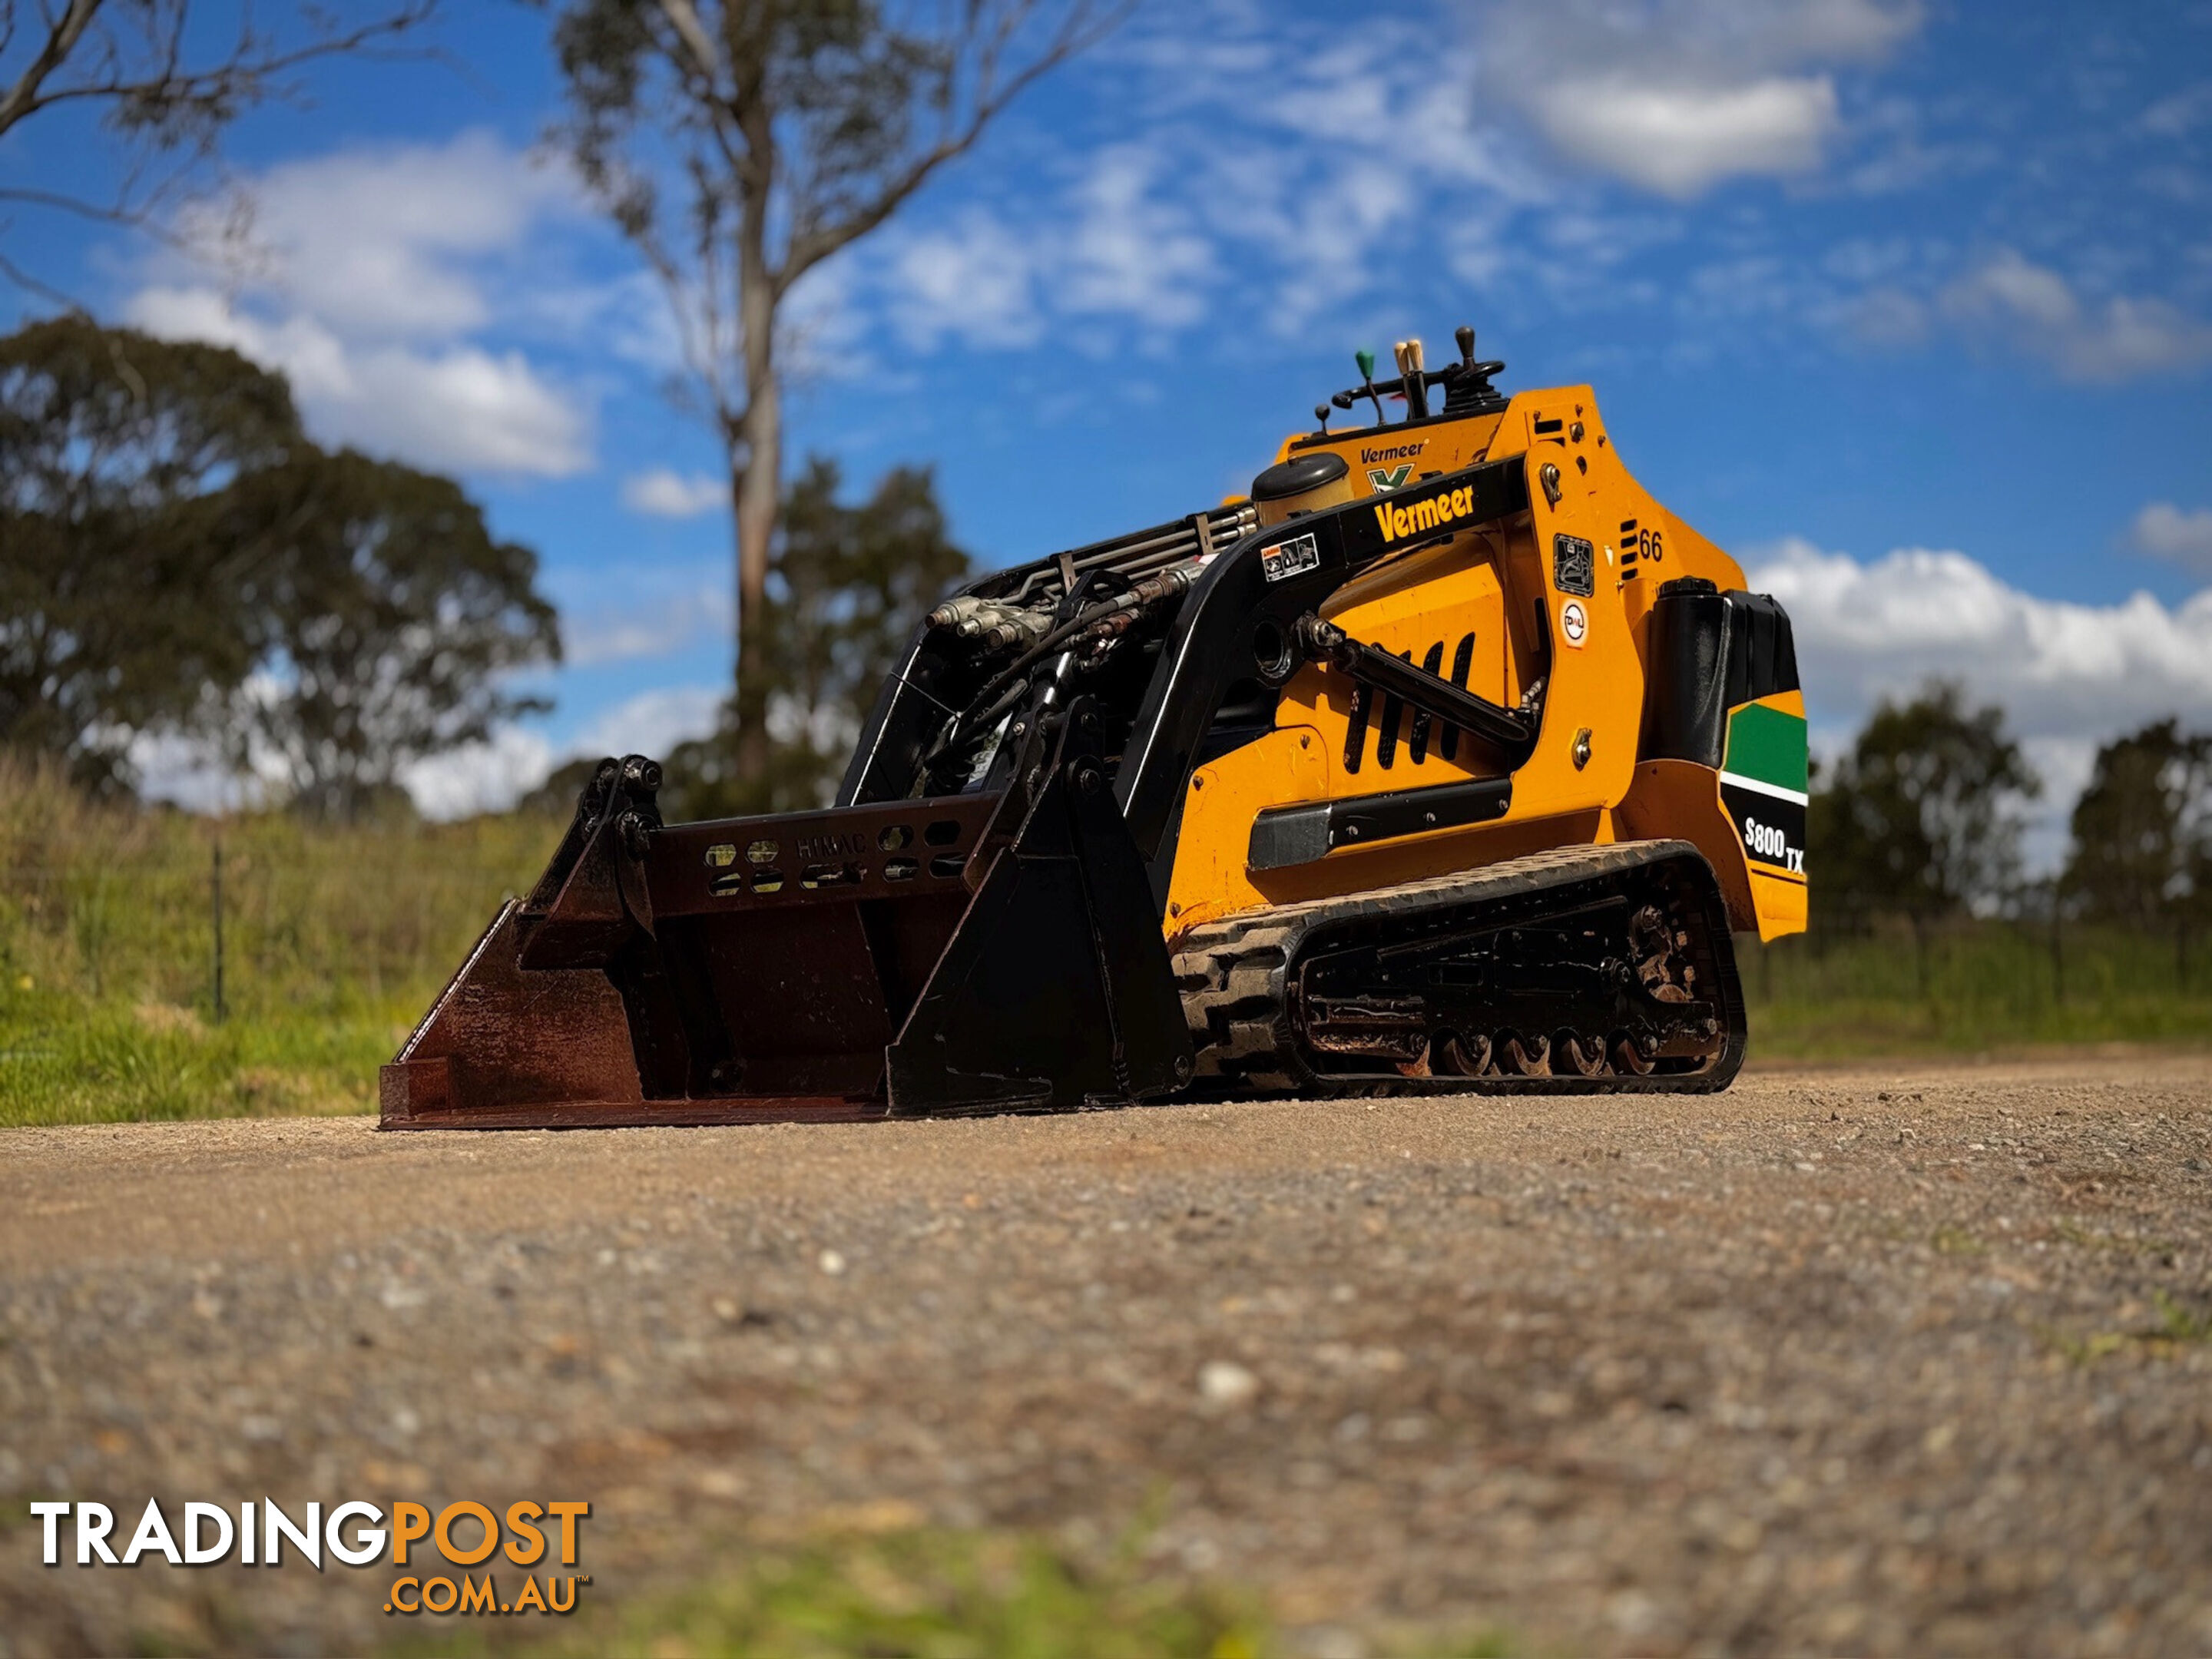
[[1234, 974]]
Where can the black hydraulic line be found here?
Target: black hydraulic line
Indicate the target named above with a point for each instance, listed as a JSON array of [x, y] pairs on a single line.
[[1044, 649], [1429, 694], [965, 731], [1141, 596]]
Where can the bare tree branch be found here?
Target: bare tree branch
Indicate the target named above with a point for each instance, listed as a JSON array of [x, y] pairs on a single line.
[[808, 251], [127, 59], [165, 90], [61, 40], [683, 18]]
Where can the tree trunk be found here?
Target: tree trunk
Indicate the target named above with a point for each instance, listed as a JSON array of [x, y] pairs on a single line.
[[755, 481], [757, 476]]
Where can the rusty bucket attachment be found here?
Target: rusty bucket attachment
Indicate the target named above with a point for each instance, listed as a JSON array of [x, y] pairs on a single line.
[[981, 952]]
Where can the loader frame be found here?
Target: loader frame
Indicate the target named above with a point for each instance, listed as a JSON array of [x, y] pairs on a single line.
[[886, 957]]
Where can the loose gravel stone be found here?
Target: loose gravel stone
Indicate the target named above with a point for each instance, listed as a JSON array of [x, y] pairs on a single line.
[[1892, 1359]]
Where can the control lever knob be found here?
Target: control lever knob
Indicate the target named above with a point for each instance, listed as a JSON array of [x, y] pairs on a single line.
[[1465, 336]]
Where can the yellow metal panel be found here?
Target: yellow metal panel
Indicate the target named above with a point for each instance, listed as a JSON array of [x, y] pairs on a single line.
[[1499, 585]]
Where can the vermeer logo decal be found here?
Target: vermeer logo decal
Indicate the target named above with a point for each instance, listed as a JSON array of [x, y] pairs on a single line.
[[1386, 452], [1436, 511], [1384, 478]]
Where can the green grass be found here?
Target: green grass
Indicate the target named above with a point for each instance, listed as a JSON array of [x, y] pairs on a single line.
[[1988, 986], [935, 1596], [925, 1593], [67, 1061], [335, 939]]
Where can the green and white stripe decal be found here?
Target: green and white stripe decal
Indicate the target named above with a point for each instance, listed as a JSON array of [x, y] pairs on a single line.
[[1766, 752], [1763, 778]]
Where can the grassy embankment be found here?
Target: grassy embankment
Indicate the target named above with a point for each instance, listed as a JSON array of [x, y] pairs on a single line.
[[335, 939]]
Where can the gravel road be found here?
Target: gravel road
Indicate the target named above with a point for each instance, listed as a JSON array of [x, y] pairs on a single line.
[[1890, 1360]]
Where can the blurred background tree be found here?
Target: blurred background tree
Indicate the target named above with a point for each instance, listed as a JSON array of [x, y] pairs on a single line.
[[738, 146], [2142, 834], [113, 616], [176, 558], [848, 586], [1920, 818], [383, 620]]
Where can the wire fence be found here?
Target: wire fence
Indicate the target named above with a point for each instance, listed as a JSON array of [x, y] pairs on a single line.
[[225, 928], [1966, 981]]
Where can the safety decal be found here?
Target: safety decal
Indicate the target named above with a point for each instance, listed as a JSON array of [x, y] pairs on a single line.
[[1574, 622], [1289, 558], [1574, 565]]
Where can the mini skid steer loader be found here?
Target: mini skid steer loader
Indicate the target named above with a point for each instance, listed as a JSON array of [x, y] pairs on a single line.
[[1445, 762]]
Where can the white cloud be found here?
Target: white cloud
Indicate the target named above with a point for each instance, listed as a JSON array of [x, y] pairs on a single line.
[[480, 777], [974, 282], [2060, 669], [665, 493], [1680, 140], [597, 629], [382, 240], [2176, 116], [1673, 96], [2185, 537], [1132, 252], [2038, 309], [196, 774], [457, 407], [1275, 208], [2068, 676], [365, 277], [1120, 245], [491, 776], [653, 722]]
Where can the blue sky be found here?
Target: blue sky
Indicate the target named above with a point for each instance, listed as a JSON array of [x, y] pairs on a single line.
[[1907, 304]]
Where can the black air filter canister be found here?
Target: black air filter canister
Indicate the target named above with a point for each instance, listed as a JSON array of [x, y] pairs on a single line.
[[1305, 484]]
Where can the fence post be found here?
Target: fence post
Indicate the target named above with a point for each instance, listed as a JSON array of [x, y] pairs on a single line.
[[2058, 951], [216, 891]]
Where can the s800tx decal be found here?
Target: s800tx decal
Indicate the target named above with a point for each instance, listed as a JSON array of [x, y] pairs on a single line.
[[1763, 786]]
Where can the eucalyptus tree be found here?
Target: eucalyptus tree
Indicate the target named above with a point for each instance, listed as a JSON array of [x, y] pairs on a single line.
[[740, 144], [177, 557]]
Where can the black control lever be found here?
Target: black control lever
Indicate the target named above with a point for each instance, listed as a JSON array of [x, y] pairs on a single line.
[[1467, 390], [1412, 380], [1512, 730]]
